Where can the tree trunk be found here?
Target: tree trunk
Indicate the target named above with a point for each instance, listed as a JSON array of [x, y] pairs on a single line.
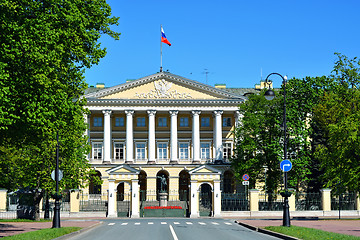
[[37, 199]]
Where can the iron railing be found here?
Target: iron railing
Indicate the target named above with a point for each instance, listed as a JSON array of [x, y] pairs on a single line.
[[308, 201]]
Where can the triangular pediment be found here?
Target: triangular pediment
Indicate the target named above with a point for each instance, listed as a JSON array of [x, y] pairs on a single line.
[[163, 86], [122, 169], [204, 169]]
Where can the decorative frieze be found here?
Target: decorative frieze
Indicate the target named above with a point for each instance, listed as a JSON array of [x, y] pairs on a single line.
[[162, 90]]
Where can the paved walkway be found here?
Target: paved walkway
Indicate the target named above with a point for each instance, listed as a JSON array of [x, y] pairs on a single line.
[[349, 227], [12, 228]]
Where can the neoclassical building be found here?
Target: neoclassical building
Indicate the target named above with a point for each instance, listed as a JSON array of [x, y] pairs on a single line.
[[162, 126]]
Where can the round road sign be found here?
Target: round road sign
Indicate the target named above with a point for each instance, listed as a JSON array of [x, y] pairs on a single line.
[[245, 177]]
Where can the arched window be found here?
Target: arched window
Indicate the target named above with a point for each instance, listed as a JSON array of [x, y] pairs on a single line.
[[184, 182], [120, 192], [229, 183], [143, 184], [94, 185]]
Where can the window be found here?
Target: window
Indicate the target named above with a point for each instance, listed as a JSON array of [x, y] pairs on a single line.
[[97, 121], [205, 150], [184, 151], [140, 122], [226, 122], [97, 150], [227, 151], [205, 122], [140, 151], [184, 122], [119, 122], [162, 150], [119, 151], [162, 122]]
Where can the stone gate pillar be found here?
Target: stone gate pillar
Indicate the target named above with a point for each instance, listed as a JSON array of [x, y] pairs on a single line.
[[194, 200], [135, 198]]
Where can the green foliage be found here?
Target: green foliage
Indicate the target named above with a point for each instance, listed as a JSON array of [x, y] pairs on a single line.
[[338, 118], [45, 47], [257, 141], [44, 234], [309, 233]]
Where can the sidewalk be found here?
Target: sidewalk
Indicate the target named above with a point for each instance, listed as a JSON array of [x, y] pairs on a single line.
[[344, 226], [12, 228]]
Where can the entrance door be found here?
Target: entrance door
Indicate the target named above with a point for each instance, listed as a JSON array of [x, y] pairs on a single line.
[[205, 201], [123, 201]]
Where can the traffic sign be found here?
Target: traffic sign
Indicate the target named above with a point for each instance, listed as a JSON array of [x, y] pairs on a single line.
[[245, 177], [60, 175], [285, 165], [245, 183]]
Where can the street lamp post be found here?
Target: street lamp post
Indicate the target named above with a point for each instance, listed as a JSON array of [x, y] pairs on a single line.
[[269, 95], [56, 219]]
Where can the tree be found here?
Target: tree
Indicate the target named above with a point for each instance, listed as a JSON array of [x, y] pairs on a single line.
[[45, 47], [257, 141], [338, 117], [260, 137]]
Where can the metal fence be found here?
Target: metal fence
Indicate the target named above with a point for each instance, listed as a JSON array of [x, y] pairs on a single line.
[[270, 203], [93, 202], [343, 201], [234, 202], [308, 201]]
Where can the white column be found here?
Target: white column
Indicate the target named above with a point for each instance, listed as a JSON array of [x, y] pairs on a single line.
[[217, 199], [151, 136], [218, 135], [173, 137], [111, 199], [129, 137], [194, 200], [135, 198], [196, 136], [87, 131], [107, 135]]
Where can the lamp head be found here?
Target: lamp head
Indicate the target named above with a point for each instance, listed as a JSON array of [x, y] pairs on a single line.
[[269, 95]]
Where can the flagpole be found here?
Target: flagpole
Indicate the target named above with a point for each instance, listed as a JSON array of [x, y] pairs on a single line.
[[160, 50]]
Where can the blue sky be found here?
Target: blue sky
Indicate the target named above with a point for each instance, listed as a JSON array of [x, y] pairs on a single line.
[[235, 40]]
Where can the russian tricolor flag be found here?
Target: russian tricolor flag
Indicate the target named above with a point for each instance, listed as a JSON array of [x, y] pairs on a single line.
[[163, 37]]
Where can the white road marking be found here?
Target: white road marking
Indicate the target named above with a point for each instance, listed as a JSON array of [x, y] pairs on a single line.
[[215, 223], [227, 223], [202, 223], [173, 232], [124, 224], [176, 223], [163, 223], [189, 223], [150, 223], [137, 223], [110, 224]]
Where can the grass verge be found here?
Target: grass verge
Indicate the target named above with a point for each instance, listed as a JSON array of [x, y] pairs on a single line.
[[43, 234], [24, 220], [310, 233]]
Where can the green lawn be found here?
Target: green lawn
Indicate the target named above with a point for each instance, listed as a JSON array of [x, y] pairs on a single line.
[[44, 234], [24, 220], [310, 233]]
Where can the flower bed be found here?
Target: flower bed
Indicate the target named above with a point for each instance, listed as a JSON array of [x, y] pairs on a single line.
[[167, 207], [169, 211]]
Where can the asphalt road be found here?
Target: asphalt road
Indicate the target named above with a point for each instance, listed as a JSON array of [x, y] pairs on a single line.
[[170, 229]]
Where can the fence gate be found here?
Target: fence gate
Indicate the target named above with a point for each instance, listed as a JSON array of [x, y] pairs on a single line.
[[205, 201], [123, 204]]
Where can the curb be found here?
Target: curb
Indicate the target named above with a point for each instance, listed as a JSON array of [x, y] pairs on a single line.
[[66, 236], [268, 232]]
